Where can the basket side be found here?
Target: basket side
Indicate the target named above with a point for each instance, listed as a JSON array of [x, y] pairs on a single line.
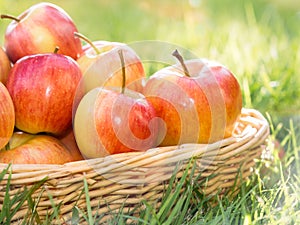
[[123, 181]]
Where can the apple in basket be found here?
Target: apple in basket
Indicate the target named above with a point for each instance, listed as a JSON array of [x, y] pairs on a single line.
[[5, 66], [69, 141], [114, 120], [26, 148], [100, 65], [42, 87], [7, 116], [39, 29], [199, 100]]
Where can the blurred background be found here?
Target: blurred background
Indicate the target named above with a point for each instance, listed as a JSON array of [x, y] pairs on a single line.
[[257, 40]]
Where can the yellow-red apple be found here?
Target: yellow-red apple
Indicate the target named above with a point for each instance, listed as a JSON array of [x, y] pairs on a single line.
[[18, 138], [199, 103], [114, 120], [35, 149], [42, 88], [100, 66], [39, 29], [7, 116], [108, 122], [5, 66]]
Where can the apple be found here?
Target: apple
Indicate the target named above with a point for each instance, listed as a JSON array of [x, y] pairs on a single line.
[[5, 65], [18, 138], [114, 120], [42, 87], [100, 65], [69, 142], [7, 116], [39, 29], [34, 149], [107, 122], [199, 101]]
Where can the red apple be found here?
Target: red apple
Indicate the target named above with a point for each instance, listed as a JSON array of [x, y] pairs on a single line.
[[5, 66], [69, 142], [7, 116], [40, 29], [100, 65], [42, 88], [110, 120], [198, 104], [35, 149]]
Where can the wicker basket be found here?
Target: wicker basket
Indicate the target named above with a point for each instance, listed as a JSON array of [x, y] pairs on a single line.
[[123, 180]]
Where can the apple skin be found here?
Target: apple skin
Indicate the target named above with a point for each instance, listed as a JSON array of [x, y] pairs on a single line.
[[202, 108], [41, 28], [19, 138], [109, 122], [69, 142], [103, 70], [35, 149], [42, 88], [5, 66], [7, 116]]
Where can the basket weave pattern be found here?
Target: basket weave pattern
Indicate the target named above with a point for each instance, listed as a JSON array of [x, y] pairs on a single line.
[[123, 180]]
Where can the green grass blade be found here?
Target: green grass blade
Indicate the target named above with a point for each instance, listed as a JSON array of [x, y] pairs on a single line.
[[13, 204], [146, 213], [88, 202], [75, 216], [172, 198], [27, 194], [3, 172], [83, 214], [5, 212], [188, 195]]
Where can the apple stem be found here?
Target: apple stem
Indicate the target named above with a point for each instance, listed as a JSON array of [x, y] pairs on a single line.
[[123, 70], [56, 49], [4, 16], [177, 55], [81, 36]]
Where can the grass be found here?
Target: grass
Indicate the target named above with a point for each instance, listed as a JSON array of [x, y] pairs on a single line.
[[259, 42]]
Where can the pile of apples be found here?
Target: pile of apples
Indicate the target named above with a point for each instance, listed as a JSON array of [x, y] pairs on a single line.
[[64, 98]]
